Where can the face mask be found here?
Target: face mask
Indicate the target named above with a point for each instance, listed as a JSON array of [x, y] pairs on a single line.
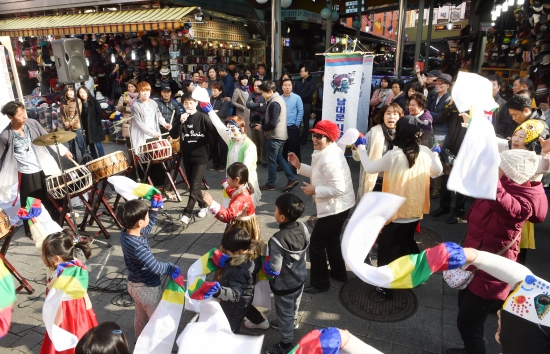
[[525, 301], [233, 132]]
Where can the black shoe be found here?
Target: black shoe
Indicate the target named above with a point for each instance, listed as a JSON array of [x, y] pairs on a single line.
[[279, 348], [267, 187], [453, 219], [440, 211], [313, 290], [343, 280], [275, 324], [385, 293], [290, 185], [456, 351]]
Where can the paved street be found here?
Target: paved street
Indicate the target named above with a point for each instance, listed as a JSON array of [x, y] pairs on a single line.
[[432, 329]]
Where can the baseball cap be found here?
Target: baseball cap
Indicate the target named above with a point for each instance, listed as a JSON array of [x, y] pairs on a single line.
[[433, 73], [202, 79], [165, 87]]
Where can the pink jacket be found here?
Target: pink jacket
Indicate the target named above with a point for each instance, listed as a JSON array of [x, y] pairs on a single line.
[[493, 224], [375, 100]]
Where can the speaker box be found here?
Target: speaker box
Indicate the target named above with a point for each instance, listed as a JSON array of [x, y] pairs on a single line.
[[70, 61]]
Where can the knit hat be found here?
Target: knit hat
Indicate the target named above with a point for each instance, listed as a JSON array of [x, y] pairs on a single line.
[[533, 129], [328, 129], [518, 165]]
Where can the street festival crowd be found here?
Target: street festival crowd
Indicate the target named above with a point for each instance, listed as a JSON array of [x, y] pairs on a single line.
[[414, 143]]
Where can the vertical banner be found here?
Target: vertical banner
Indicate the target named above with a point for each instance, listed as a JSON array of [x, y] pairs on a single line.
[[343, 72], [6, 91], [364, 96]]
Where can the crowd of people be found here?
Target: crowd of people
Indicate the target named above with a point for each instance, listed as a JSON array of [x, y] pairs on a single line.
[[239, 122]]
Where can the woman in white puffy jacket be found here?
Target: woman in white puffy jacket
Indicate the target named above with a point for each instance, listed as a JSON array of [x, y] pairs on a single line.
[[332, 190]]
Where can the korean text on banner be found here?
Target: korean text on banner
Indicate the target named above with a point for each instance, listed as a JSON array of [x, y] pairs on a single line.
[[364, 96], [342, 87]]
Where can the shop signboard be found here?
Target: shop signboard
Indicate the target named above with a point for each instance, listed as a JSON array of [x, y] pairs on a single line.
[[444, 27], [301, 15], [342, 88], [364, 95]]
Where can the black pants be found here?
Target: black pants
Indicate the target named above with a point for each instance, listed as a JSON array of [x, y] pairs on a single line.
[[307, 113], [218, 149], [325, 241], [445, 197], [34, 185], [318, 116], [472, 313], [235, 315], [194, 173], [395, 241], [292, 144]]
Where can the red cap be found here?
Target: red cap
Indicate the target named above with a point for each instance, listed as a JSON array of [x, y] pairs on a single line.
[[328, 129], [202, 79]]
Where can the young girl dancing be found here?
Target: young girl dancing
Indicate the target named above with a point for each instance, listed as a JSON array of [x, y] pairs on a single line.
[[241, 211], [67, 304]]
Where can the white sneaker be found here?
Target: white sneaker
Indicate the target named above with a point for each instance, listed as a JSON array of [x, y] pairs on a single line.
[[202, 213], [185, 219], [263, 325]]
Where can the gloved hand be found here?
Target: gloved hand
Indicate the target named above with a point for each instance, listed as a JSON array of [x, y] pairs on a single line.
[[156, 201], [224, 183], [204, 289], [220, 259], [360, 140], [177, 277], [436, 148], [206, 106]]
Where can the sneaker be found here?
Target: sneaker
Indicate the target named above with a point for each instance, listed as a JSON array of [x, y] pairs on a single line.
[[212, 168], [275, 324], [263, 325], [185, 219], [221, 169], [279, 348], [267, 187], [202, 213], [290, 185]]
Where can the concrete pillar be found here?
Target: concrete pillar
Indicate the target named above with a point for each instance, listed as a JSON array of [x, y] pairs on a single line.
[[419, 27], [276, 59], [429, 38]]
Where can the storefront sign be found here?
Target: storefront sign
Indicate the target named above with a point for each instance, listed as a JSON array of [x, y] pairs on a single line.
[[364, 95], [301, 15], [342, 88], [444, 27], [6, 91]]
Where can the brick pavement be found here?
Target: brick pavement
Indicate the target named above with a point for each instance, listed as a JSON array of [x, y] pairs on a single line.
[[432, 329]]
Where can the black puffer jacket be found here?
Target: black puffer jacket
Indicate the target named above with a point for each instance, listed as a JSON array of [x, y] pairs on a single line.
[[166, 109], [237, 284], [95, 132], [456, 132]]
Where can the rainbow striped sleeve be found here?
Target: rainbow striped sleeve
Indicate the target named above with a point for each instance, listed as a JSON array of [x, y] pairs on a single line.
[[173, 293], [201, 289], [72, 279], [414, 269], [7, 298], [129, 189], [31, 210], [319, 341]]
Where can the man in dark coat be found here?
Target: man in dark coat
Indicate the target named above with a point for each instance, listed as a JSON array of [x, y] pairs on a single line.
[[305, 88], [167, 106], [437, 103]]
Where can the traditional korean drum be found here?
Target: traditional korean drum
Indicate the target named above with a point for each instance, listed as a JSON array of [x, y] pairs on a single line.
[[79, 179], [108, 165], [155, 151]]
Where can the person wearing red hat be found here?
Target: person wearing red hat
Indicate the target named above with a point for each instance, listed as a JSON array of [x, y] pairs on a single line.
[[332, 188]]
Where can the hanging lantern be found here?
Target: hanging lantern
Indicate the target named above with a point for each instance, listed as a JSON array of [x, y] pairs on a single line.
[[450, 26], [326, 13], [335, 16], [261, 1], [113, 59], [148, 55], [286, 3], [356, 24]]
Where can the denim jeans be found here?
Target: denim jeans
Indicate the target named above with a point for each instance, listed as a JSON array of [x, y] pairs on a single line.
[[96, 150], [274, 157], [78, 140]]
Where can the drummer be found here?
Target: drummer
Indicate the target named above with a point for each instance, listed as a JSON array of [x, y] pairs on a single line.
[[23, 162], [146, 125], [169, 106]]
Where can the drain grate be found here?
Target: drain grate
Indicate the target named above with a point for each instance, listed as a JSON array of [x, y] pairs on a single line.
[[427, 238], [361, 299]]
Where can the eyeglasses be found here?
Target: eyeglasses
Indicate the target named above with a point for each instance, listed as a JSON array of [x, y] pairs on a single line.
[[317, 136]]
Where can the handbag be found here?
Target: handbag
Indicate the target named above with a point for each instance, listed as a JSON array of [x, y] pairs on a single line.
[[460, 278]]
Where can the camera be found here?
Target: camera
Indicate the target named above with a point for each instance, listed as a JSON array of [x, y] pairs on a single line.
[[254, 121]]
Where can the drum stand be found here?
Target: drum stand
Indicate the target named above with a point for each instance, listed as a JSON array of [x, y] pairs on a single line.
[[166, 172], [67, 200], [22, 281], [175, 168]]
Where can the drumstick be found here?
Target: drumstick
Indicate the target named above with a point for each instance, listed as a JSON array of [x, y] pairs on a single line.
[[165, 133], [172, 118], [74, 162]]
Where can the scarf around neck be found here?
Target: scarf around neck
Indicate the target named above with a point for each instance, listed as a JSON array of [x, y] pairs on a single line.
[[389, 134], [244, 88]]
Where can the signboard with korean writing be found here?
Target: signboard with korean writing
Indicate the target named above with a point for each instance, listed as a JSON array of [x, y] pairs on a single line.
[[343, 74], [364, 95], [301, 15]]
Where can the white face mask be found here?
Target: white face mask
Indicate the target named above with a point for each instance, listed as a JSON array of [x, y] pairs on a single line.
[[234, 133]]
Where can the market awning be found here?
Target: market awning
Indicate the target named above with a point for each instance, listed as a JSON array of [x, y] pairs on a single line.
[[96, 22]]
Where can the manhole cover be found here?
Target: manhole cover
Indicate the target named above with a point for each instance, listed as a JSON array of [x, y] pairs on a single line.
[[361, 299], [427, 238]]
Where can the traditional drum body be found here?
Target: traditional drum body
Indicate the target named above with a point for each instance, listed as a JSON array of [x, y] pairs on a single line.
[[175, 145], [79, 179], [158, 150], [4, 223], [108, 165]]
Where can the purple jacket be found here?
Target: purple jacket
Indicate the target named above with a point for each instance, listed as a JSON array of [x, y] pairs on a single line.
[[493, 224]]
